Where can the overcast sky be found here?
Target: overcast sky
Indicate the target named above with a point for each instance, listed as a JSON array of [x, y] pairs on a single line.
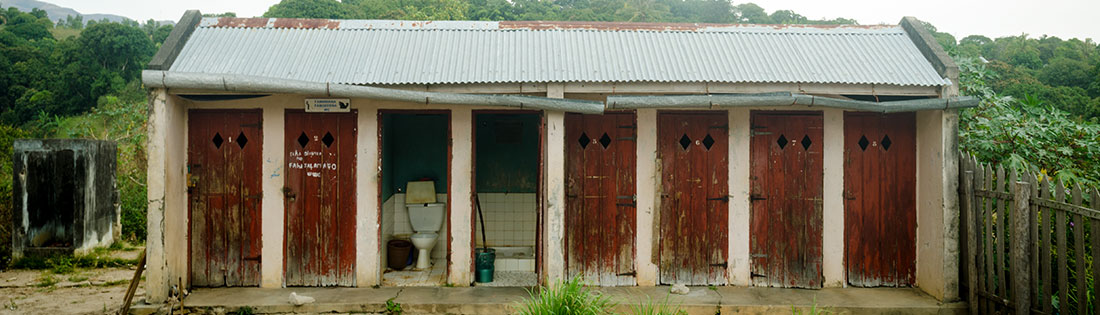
[[993, 18]]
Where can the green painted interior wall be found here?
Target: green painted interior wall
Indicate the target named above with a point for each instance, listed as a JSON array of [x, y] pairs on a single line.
[[414, 146], [507, 153]]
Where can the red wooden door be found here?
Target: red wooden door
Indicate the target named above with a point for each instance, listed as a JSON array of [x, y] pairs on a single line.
[[880, 198], [224, 192], [320, 199], [694, 154], [786, 184], [600, 208]]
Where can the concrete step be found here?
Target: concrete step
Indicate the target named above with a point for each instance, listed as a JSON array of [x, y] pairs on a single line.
[[490, 300]]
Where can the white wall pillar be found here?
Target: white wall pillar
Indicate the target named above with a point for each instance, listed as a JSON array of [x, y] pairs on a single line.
[[647, 182], [461, 197], [271, 254], [832, 233], [166, 241], [554, 174], [740, 135], [368, 265], [937, 204]]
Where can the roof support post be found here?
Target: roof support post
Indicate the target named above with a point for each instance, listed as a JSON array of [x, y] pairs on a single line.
[[554, 191]]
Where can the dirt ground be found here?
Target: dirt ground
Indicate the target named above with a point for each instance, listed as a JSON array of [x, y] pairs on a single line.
[[84, 291]]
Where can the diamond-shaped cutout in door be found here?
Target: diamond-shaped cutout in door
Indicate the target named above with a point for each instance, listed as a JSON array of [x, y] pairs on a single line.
[[708, 142], [584, 141], [218, 140], [605, 140], [685, 141], [806, 142], [863, 143], [782, 142], [886, 142], [328, 140], [242, 140], [303, 140]]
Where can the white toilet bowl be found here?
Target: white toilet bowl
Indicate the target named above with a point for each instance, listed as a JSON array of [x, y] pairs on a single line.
[[424, 243]]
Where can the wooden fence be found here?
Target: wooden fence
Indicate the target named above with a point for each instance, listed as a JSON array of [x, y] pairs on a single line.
[[1029, 243]]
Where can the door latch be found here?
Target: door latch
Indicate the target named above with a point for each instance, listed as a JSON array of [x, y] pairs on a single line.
[[289, 194]]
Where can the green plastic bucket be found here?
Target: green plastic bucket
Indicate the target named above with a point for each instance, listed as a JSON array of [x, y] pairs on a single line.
[[485, 262]]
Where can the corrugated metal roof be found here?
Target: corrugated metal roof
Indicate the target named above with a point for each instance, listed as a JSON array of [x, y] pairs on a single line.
[[457, 52]]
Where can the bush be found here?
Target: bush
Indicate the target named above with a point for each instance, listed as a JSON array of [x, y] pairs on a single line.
[[568, 297]]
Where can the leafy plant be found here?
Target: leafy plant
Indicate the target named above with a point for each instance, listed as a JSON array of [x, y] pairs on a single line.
[[245, 310], [565, 297], [393, 307]]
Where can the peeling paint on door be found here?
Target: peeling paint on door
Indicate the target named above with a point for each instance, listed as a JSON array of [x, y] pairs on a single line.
[[320, 199], [693, 149], [600, 207], [224, 193], [786, 189]]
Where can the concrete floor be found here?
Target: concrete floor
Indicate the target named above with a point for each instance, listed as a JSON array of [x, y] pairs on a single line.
[[490, 300]]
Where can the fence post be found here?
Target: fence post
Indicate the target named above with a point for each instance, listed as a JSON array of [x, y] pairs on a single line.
[[1021, 248], [971, 238]]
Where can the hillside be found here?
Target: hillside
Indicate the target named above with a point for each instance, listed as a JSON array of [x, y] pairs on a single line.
[[56, 12]]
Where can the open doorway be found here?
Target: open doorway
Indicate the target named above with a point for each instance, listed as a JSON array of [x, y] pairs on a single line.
[[415, 202], [506, 179]]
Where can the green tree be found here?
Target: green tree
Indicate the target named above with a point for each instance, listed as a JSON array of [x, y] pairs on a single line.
[[1066, 72], [313, 9]]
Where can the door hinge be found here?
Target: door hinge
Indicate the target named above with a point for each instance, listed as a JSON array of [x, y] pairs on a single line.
[[628, 274], [626, 204], [723, 199], [757, 197], [756, 275], [723, 265]]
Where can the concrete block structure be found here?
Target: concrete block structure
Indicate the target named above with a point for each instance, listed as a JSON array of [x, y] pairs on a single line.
[[629, 154], [64, 196]]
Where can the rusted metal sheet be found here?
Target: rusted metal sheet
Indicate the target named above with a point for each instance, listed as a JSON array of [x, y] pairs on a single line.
[[785, 193], [320, 199], [880, 199], [693, 149], [600, 208], [224, 193]]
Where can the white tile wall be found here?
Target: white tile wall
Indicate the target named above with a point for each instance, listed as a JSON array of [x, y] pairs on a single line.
[[509, 219], [395, 223]]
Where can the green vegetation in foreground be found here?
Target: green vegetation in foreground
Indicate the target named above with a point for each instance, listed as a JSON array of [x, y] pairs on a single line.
[[565, 297]]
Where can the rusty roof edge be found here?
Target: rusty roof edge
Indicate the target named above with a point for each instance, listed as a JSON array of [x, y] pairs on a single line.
[[172, 45], [293, 23], [776, 99]]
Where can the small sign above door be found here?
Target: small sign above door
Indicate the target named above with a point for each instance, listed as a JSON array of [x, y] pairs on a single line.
[[328, 105]]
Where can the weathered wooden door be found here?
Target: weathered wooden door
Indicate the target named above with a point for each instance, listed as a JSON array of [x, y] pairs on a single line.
[[224, 192], [880, 198], [694, 153], [600, 207], [320, 199], [786, 184]]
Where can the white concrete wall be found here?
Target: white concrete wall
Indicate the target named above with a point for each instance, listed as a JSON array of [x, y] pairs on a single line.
[[461, 196], [167, 196], [166, 243], [554, 188], [832, 229], [271, 207], [937, 204], [368, 268], [648, 199], [740, 139]]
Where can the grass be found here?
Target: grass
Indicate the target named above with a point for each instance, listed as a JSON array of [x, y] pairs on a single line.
[[565, 297], [651, 307], [63, 264], [814, 310]]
